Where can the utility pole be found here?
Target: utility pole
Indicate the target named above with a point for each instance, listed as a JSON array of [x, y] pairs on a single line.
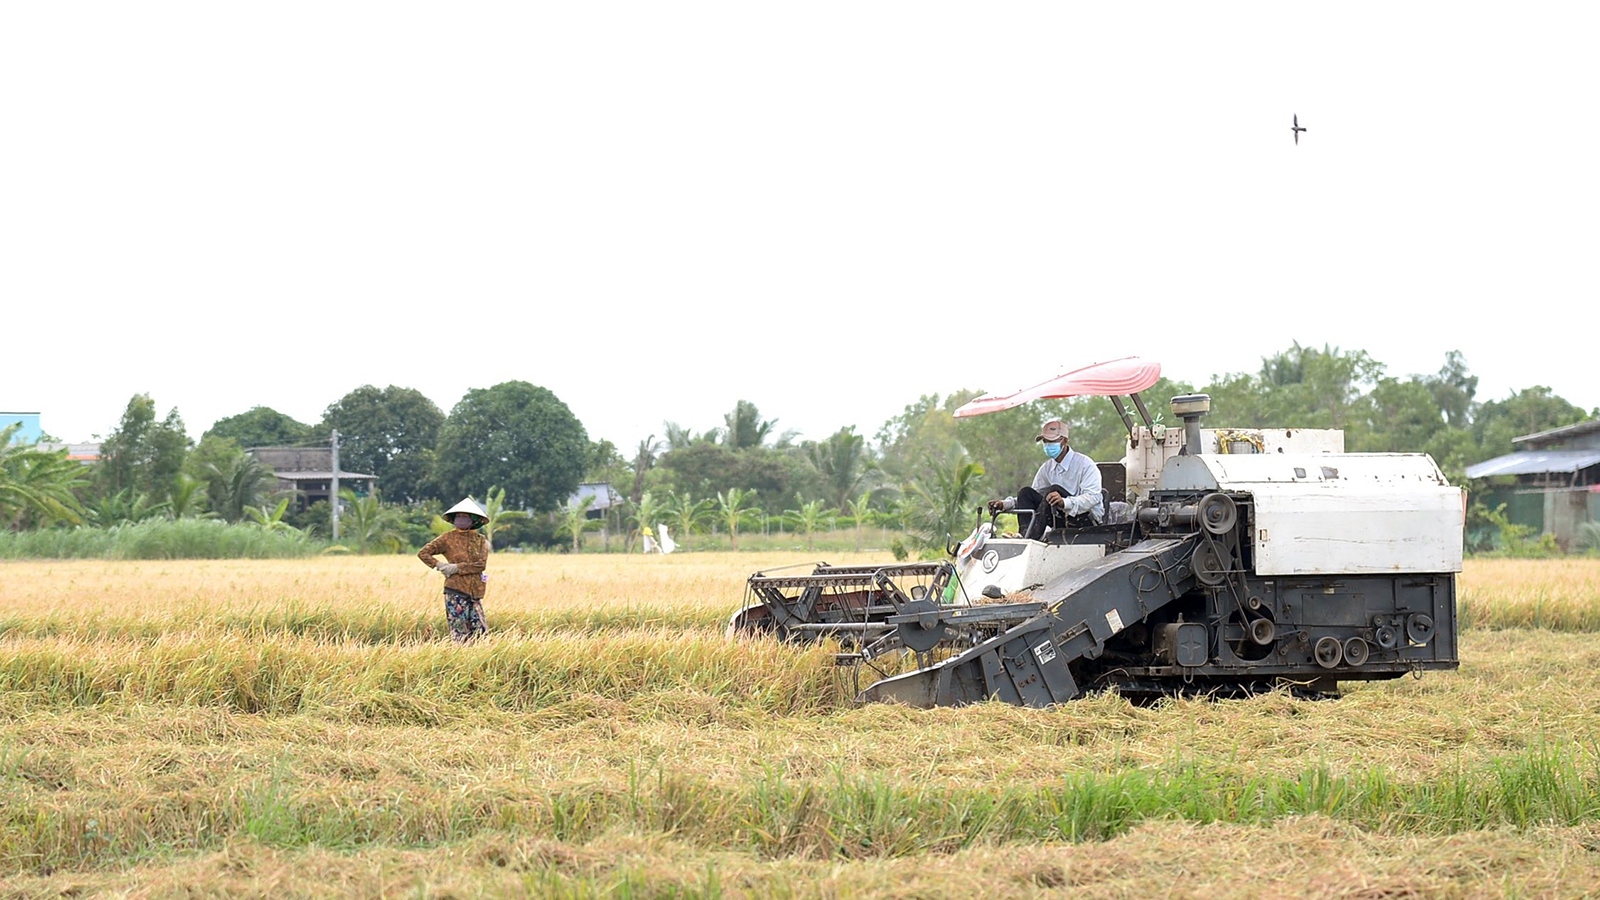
[[333, 493]]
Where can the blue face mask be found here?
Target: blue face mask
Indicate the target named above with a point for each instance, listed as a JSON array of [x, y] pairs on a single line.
[[1053, 450]]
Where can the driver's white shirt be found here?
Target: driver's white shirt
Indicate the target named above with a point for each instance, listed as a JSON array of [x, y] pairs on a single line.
[[1079, 475]]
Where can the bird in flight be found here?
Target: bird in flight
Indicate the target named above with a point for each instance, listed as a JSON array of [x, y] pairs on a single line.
[[1297, 129]]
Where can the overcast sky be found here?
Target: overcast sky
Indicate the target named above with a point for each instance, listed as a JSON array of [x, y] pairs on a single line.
[[826, 208]]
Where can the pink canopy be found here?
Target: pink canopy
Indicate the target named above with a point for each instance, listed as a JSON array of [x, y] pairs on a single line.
[[1114, 378]]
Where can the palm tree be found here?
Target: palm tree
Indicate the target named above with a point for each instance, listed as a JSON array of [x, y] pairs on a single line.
[[732, 511], [643, 461], [746, 428], [940, 500], [367, 524], [37, 486], [843, 460], [237, 483], [809, 517], [187, 497], [679, 437], [124, 506]]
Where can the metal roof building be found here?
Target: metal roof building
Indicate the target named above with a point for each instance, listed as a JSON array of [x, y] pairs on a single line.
[[604, 496], [308, 471], [1536, 462], [1555, 482]]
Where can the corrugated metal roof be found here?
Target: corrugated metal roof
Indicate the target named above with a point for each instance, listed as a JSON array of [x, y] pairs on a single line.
[[1566, 431], [1535, 462], [320, 476]]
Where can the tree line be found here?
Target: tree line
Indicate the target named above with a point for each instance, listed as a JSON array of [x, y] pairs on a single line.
[[519, 447]]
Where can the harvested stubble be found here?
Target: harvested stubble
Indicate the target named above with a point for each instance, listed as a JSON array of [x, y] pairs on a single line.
[[194, 727]]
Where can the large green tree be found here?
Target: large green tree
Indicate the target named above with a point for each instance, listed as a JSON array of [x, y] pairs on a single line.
[[1497, 422], [390, 433], [515, 435], [260, 426], [923, 429], [703, 470], [1304, 387], [143, 455], [1403, 417], [1454, 390]]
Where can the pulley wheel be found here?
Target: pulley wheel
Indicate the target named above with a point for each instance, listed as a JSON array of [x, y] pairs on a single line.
[[1356, 651], [1328, 652], [1386, 636], [1419, 628], [1218, 514], [1208, 565], [915, 634], [1262, 631]]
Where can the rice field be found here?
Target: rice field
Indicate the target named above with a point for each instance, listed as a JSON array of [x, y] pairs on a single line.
[[305, 728]]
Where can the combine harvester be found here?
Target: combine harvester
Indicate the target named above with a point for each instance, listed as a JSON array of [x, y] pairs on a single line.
[[1232, 561]]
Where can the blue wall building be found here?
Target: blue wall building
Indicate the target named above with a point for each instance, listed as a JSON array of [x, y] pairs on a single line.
[[29, 433]]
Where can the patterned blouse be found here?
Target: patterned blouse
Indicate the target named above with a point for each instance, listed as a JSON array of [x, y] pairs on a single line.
[[469, 551]]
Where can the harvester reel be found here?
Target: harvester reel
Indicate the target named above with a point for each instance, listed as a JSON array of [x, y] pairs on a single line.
[[1218, 513], [927, 631]]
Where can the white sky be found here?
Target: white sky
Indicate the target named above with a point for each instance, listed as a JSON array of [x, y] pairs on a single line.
[[826, 208]]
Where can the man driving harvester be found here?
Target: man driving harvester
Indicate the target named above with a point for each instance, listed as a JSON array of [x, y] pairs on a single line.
[[1065, 491]]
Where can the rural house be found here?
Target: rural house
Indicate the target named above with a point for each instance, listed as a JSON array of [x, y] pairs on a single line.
[[604, 496], [1551, 482], [308, 471]]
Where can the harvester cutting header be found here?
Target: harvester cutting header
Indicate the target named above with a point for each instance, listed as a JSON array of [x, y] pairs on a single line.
[[1225, 561]]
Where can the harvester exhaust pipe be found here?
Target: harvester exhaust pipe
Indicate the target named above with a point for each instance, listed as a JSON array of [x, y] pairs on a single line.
[[1190, 408]]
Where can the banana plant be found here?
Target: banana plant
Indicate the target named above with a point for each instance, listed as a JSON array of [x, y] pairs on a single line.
[[271, 520], [495, 506], [685, 515], [732, 511], [808, 518], [369, 525], [575, 521], [859, 511]]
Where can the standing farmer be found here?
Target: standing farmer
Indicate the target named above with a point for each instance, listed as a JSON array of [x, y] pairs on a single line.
[[466, 553]]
